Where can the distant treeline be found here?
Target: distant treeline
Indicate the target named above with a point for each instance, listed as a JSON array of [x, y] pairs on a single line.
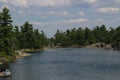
[[87, 36], [14, 38], [25, 37]]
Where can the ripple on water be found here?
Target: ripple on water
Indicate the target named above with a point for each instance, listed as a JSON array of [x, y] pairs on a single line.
[[68, 64]]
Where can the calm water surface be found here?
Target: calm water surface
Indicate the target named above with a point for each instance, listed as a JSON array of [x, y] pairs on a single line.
[[68, 64]]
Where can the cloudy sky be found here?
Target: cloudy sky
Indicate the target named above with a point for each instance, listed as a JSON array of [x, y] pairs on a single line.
[[50, 15]]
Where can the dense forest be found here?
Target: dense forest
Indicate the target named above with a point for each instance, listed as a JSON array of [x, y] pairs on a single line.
[[83, 37], [14, 38]]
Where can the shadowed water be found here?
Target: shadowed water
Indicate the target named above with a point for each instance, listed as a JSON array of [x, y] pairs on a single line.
[[68, 64]]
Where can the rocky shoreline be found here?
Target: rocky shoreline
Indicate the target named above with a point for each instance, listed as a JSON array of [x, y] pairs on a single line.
[[19, 54], [25, 53], [99, 46], [22, 54], [91, 46]]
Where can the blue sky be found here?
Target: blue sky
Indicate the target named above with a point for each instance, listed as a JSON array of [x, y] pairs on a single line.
[[50, 15]]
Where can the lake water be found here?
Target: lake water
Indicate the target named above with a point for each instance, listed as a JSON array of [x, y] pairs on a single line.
[[68, 64]]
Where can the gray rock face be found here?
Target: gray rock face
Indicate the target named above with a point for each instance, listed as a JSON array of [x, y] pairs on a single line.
[[99, 45]]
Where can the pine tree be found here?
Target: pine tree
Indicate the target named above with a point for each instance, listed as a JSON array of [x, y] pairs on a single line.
[[6, 37], [26, 35]]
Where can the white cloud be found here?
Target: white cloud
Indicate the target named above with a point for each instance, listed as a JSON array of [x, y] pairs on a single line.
[[72, 21], [38, 23], [21, 3], [63, 13], [108, 10], [21, 12], [81, 13], [50, 13], [3, 1], [80, 20], [117, 0], [49, 3], [91, 1], [45, 14], [38, 3]]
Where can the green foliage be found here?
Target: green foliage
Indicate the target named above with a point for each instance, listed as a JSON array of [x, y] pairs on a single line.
[[29, 38], [26, 35], [14, 39], [5, 18], [116, 38], [6, 37], [86, 36]]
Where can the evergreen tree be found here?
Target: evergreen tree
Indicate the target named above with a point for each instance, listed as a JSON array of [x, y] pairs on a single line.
[[80, 38], [87, 35], [116, 38], [36, 40], [6, 37], [5, 17], [17, 35], [27, 35], [43, 40]]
